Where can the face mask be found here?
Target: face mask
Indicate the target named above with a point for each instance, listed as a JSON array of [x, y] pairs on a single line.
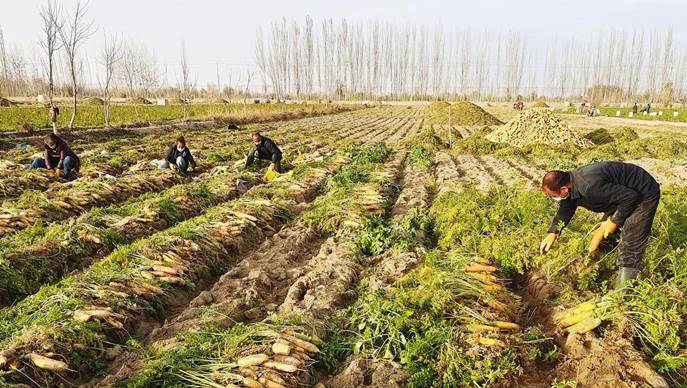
[[181, 149], [257, 143], [559, 198], [53, 146]]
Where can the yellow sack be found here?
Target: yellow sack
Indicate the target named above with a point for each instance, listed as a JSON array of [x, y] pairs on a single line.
[[270, 175]]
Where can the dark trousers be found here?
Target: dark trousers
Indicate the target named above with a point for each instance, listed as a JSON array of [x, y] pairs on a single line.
[[262, 156], [68, 165], [634, 235]]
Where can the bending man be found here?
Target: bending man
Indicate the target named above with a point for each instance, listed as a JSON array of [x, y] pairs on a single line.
[[626, 193], [265, 149]]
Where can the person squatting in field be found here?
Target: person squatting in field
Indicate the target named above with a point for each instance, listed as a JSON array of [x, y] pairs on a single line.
[[265, 149], [627, 195], [58, 156], [179, 157]]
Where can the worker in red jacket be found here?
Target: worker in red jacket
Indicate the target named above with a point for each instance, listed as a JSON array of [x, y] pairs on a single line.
[[58, 156]]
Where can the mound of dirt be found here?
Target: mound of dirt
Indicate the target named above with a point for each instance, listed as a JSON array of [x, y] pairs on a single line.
[[540, 104], [93, 101], [538, 126], [6, 103], [462, 113]]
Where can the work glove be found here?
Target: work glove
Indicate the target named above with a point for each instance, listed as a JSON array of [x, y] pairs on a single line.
[[173, 167], [272, 167], [547, 242], [604, 230], [58, 173]]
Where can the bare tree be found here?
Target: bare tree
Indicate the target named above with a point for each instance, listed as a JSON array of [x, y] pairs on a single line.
[[249, 78], [110, 56], [52, 23], [185, 84], [72, 35], [3, 62]]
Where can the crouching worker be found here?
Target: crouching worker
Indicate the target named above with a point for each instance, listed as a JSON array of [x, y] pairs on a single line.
[[58, 156], [179, 157], [627, 195], [265, 149]]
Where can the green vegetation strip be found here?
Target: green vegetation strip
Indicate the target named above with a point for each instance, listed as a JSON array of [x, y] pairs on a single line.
[[11, 118]]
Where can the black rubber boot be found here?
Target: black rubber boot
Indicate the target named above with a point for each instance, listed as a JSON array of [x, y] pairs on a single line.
[[625, 274]]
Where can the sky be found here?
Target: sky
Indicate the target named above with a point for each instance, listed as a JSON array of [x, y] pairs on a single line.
[[222, 33]]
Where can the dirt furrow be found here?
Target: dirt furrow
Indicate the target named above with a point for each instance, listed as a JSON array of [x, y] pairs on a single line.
[[475, 171], [530, 172], [448, 173], [506, 174]]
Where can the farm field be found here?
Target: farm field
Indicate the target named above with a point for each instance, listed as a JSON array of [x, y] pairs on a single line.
[[395, 251], [11, 118]]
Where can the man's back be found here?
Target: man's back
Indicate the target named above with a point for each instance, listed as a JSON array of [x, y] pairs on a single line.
[[593, 176]]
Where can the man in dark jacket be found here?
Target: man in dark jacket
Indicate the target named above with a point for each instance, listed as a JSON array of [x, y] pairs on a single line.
[[58, 156], [627, 195], [265, 149], [179, 157]]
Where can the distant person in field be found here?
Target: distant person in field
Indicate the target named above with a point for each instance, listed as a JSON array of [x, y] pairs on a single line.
[[179, 157], [627, 195], [265, 149], [58, 156], [647, 108], [635, 108]]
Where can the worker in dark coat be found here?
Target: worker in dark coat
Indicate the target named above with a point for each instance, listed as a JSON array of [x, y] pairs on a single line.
[[627, 195], [265, 149], [58, 156], [179, 157]]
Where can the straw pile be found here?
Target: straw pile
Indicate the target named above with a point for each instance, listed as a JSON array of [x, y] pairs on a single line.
[[462, 113]]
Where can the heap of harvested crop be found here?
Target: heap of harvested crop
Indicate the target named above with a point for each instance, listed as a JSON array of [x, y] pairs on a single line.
[[462, 113], [540, 104], [538, 126]]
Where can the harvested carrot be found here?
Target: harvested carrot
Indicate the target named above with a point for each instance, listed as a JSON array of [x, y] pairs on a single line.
[[483, 260], [475, 267], [484, 277], [252, 360], [585, 326], [269, 383], [48, 363], [496, 305], [302, 343], [250, 383], [477, 328], [582, 307], [493, 287], [280, 366], [506, 325], [576, 318], [280, 348], [288, 359]]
